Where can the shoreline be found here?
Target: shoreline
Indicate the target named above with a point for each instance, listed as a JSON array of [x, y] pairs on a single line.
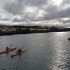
[[12, 30], [30, 32]]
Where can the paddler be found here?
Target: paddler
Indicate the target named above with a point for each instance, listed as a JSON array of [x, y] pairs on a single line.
[[19, 50], [7, 49]]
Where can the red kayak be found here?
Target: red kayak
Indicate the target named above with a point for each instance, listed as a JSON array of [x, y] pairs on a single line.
[[10, 50], [18, 54]]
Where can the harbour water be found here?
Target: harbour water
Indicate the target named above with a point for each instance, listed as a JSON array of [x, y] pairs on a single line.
[[46, 51]]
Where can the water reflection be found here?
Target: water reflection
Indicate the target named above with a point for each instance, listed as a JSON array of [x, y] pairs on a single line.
[[60, 57]]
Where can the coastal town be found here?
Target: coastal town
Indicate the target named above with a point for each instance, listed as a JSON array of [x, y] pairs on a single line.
[[10, 30]]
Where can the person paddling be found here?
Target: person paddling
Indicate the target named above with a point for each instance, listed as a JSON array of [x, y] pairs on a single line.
[[19, 51], [7, 49]]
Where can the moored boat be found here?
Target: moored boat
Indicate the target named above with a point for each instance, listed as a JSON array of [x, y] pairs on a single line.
[[69, 39]]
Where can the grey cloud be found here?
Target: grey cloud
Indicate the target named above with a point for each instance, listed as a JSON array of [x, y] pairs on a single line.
[[68, 21], [20, 5], [58, 14], [64, 21], [17, 20], [33, 2], [13, 8], [52, 10], [66, 1], [18, 8]]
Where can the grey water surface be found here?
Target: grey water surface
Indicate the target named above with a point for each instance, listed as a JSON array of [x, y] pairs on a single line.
[[46, 51]]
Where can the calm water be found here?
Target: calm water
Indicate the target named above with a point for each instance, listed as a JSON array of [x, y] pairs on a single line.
[[46, 51]]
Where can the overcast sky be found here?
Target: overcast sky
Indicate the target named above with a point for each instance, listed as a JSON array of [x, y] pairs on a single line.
[[35, 11]]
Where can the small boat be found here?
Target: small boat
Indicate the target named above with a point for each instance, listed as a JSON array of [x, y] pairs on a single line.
[[18, 54], [9, 50], [69, 39]]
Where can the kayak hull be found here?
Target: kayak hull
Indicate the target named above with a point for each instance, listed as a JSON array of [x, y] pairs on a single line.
[[10, 50], [18, 54]]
